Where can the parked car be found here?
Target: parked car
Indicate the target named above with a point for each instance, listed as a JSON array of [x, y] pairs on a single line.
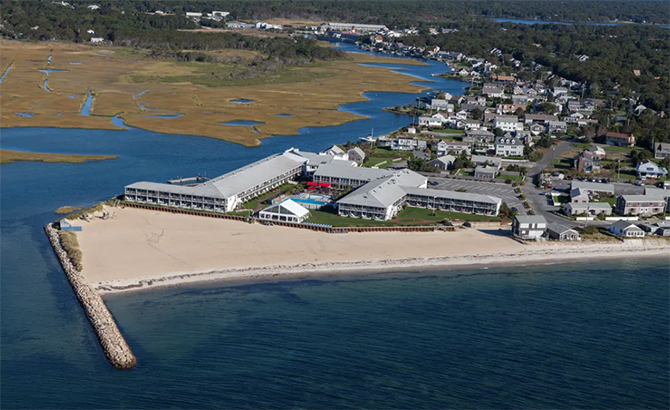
[[433, 183], [639, 182]]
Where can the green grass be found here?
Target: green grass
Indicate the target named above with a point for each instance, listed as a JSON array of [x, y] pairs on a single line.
[[255, 203], [408, 216], [516, 177], [611, 201], [612, 148], [376, 161], [381, 152], [413, 216], [452, 132], [328, 218], [239, 213]]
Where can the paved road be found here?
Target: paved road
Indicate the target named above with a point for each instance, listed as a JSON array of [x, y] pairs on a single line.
[[503, 191], [551, 155]]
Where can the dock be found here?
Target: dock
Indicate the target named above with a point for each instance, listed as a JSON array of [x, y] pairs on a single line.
[[112, 341]]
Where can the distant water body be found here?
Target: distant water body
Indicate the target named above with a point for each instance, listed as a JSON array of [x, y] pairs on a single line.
[[556, 336], [584, 23]]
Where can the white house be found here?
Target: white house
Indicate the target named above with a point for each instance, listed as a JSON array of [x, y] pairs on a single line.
[[627, 229], [97, 40], [442, 104], [430, 122], [508, 146], [529, 226], [285, 211], [651, 170], [508, 123]]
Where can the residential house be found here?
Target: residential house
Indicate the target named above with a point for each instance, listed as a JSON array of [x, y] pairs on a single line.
[[442, 104], [357, 155], [408, 144], [660, 193], [650, 170], [587, 162], [557, 126], [493, 90], [619, 139], [656, 228], [486, 161], [537, 129], [588, 208], [430, 122], [562, 233], [598, 151], [558, 91], [507, 123], [471, 124], [476, 100], [626, 229], [455, 147], [443, 163], [508, 146], [591, 187], [520, 100], [539, 118], [529, 226], [642, 205], [579, 196], [335, 151], [480, 140], [488, 173], [661, 150]]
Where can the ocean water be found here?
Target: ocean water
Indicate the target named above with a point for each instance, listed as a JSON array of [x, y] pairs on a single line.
[[557, 336]]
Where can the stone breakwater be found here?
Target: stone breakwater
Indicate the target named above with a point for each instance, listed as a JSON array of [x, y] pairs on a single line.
[[113, 344]]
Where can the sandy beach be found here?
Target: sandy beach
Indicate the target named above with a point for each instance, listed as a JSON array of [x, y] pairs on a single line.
[[138, 249]]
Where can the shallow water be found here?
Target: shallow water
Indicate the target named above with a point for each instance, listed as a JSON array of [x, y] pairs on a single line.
[[241, 123], [86, 108]]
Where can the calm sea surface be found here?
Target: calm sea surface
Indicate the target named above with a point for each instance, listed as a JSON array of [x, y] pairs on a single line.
[[558, 336]]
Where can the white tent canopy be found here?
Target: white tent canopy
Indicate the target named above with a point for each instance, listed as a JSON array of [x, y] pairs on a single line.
[[285, 211]]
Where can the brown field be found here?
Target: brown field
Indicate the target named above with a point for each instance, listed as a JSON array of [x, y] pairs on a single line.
[[7, 157], [311, 94]]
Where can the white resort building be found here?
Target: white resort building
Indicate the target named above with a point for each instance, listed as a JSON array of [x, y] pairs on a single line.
[[384, 197], [225, 192]]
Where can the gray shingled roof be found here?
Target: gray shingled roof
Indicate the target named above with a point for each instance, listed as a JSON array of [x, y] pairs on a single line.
[[593, 186], [531, 219], [254, 174], [380, 193], [462, 196], [233, 182], [591, 205], [337, 170]]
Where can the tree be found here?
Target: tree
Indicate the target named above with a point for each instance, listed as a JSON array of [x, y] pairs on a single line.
[[664, 163], [477, 113]]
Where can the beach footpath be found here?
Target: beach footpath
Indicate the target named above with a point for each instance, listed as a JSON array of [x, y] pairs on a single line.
[[112, 341]]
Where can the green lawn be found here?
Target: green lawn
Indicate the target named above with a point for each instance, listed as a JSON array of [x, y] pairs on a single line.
[[611, 201], [328, 218], [612, 148], [411, 215], [516, 177], [466, 173], [254, 203], [376, 161], [408, 216], [381, 152], [240, 213]]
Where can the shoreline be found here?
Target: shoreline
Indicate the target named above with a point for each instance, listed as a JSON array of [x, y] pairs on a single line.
[[541, 255]]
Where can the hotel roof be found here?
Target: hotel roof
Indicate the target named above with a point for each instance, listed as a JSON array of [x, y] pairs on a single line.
[[233, 182], [256, 173], [590, 205], [338, 170], [462, 196]]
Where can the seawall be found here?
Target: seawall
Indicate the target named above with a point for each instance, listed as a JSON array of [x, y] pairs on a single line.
[[113, 344]]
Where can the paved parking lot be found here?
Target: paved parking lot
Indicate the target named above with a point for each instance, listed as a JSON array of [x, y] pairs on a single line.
[[503, 191]]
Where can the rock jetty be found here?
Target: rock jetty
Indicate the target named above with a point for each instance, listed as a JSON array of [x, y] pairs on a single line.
[[113, 344]]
